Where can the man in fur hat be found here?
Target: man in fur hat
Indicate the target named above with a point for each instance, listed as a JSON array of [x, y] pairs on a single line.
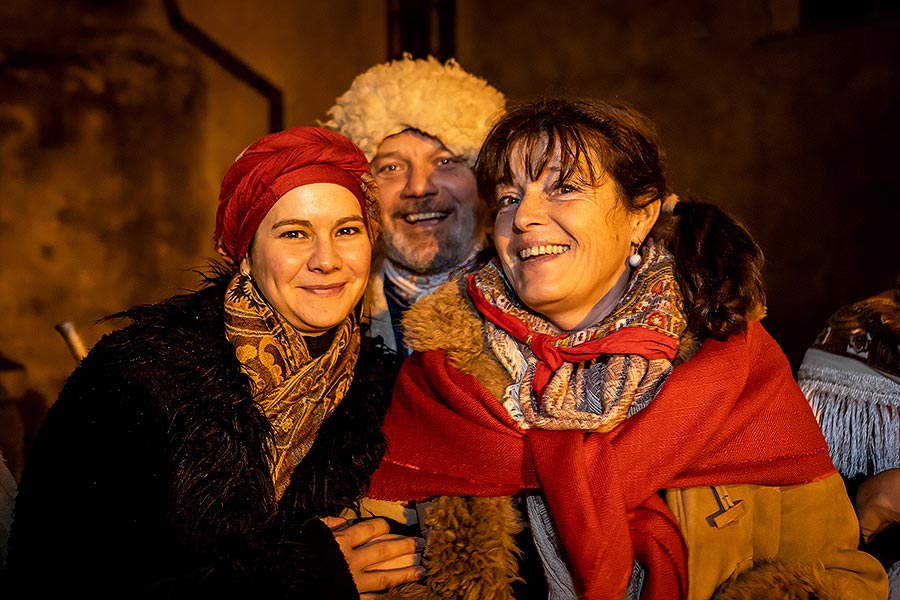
[[420, 123]]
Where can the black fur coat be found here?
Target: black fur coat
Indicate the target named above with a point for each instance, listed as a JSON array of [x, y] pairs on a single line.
[[149, 476]]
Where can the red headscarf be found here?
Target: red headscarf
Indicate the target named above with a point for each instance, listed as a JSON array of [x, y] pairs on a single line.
[[278, 163]]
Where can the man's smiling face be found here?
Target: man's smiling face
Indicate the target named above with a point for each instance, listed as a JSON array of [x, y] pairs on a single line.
[[430, 209]]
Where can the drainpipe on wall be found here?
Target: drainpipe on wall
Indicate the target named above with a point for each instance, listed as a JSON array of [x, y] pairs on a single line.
[[229, 62]]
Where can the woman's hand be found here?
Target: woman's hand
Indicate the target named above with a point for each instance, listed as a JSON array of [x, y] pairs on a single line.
[[878, 503], [377, 559]]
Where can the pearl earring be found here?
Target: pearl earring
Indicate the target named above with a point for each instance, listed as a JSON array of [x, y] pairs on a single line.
[[635, 259]]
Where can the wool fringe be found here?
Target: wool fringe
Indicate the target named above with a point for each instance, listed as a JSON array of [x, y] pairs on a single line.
[[859, 415]]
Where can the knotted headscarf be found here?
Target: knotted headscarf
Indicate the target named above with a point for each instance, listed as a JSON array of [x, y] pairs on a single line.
[[278, 163]]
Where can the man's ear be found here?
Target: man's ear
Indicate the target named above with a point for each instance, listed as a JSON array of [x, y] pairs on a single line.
[[245, 265]]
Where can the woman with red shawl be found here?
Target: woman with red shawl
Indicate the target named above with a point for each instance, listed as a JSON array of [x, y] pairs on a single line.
[[605, 383], [209, 448]]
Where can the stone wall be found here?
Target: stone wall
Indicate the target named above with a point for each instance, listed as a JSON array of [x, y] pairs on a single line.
[[99, 197]]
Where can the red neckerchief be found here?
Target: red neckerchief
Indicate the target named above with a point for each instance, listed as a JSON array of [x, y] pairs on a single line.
[[630, 340], [732, 414]]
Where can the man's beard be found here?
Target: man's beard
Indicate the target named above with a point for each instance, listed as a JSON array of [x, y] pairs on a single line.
[[419, 256]]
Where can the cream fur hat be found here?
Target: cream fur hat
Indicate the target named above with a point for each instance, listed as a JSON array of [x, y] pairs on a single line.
[[440, 100]]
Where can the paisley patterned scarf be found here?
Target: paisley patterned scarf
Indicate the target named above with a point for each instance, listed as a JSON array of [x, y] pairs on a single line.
[[591, 379], [296, 391]]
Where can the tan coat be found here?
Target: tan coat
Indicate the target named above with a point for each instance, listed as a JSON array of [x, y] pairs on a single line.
[[799, 540]]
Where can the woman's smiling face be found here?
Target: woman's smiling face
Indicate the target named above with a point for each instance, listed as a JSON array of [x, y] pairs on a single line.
[[311, 255], [562, 244]]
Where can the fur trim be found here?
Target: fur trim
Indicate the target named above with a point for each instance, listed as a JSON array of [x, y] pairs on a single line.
[[459, 335], [471, 551], [787, 581], [440, 100]]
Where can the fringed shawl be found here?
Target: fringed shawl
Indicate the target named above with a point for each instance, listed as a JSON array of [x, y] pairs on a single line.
[[858, 409]]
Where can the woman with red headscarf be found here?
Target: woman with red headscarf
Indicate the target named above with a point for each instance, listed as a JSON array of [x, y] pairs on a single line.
[[211, 445]]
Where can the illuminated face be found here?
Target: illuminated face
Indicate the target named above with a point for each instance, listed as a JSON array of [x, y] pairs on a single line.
[[310, 256], [429, 203], [563, 245]]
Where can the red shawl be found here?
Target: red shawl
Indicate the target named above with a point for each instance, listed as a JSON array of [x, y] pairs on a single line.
[[731, 414]]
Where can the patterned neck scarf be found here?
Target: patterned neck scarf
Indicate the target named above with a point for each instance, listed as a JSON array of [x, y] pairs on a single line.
[[407, 287], [594, 378], [296, 391]]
